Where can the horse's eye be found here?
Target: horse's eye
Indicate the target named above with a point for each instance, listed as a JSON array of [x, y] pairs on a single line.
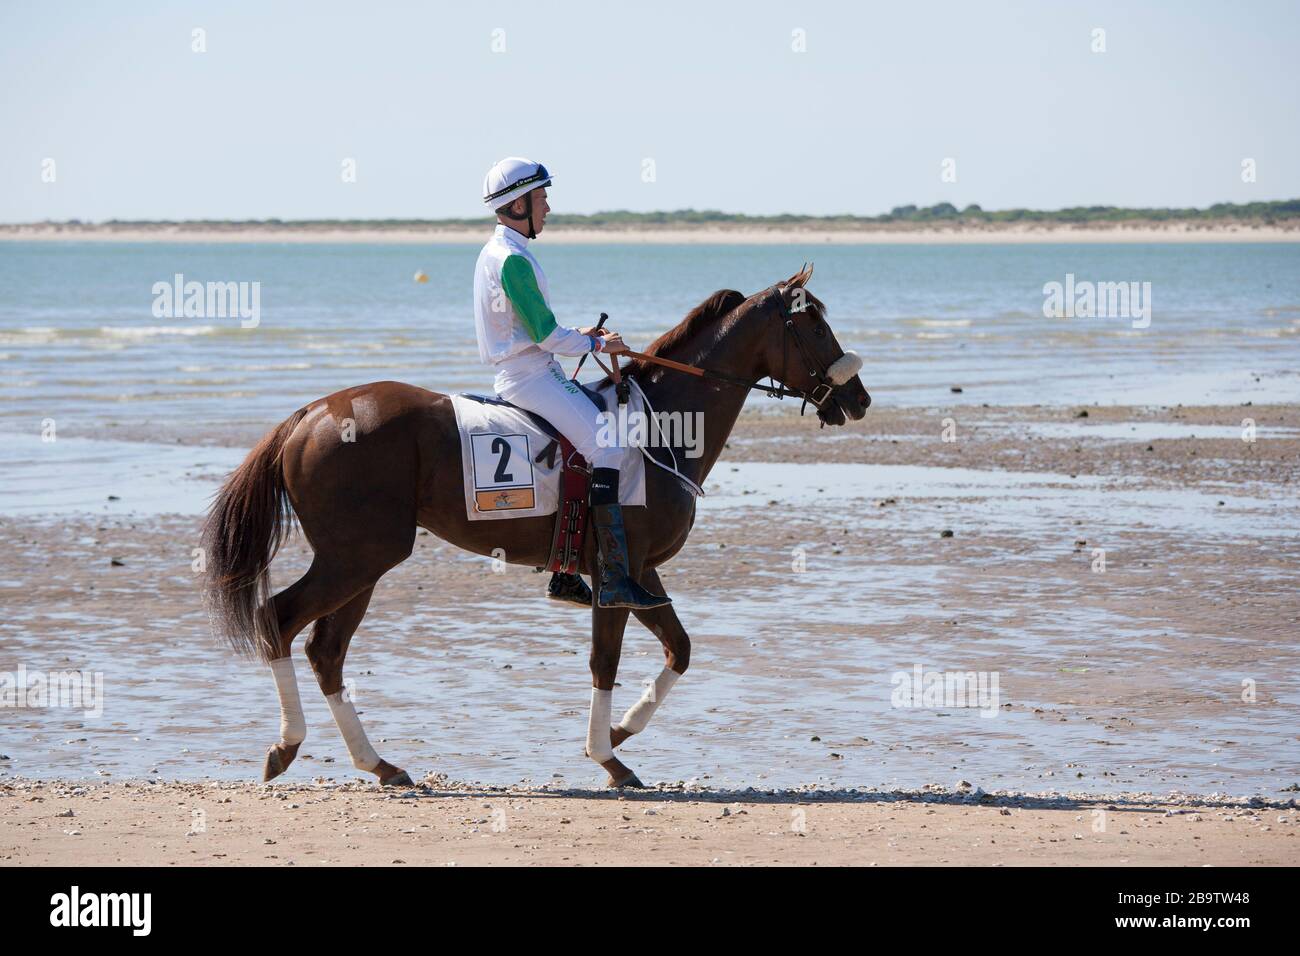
[[819, 330]]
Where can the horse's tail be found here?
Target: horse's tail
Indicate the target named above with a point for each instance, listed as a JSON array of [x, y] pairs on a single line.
[[245, 527]]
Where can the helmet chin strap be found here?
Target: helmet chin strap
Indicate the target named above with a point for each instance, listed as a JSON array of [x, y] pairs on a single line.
[[527, 216]]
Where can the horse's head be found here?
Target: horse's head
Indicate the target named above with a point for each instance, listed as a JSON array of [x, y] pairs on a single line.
[[801, 352]]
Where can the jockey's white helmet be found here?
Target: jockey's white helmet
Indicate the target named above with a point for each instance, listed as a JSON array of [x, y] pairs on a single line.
[[511, 178]]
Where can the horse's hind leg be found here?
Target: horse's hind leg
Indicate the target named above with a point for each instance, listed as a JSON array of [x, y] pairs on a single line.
[[311, 596], [336, 580], [663, 621], [326, 649]]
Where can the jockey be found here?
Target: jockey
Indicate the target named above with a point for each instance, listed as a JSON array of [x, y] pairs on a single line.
[[519, 337]]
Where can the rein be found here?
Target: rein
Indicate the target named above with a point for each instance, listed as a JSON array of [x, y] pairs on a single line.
[[819, 395]]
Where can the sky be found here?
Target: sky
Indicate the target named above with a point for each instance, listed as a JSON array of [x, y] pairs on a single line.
[[756, 107]]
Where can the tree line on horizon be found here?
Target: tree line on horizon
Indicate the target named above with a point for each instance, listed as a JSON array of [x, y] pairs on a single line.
[[1267, 213]]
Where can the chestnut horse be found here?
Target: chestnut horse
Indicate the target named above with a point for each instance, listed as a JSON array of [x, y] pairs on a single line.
[[360, 496]]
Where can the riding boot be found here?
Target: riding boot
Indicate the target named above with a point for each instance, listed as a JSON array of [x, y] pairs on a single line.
[[569, 588], [616, 588]]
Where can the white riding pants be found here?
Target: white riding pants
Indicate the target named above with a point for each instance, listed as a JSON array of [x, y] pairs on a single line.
[[552, 395]]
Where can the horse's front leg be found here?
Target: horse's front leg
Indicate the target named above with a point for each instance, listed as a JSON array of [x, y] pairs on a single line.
[[664, 623], [607, 626]]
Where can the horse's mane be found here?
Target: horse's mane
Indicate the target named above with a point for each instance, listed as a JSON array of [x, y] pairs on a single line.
[[703, 315]]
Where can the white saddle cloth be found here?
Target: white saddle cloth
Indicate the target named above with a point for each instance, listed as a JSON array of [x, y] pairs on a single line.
[[498, 448]]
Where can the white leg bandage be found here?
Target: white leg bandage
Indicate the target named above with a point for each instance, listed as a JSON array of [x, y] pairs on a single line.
[[639, 714], [293, 725], [354, 735], [599, 747]]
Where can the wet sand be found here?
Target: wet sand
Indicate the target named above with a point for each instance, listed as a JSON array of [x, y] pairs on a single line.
[[1084, 439], [434, 825], [1174, 669]]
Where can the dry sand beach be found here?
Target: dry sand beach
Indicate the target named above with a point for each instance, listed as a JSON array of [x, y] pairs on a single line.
[[896, 233], [437, 824]]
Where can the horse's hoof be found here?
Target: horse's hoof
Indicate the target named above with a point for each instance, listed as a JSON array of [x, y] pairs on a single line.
[[617, 735], [278, 758], [273, 767], [399, 779], [630, 782]]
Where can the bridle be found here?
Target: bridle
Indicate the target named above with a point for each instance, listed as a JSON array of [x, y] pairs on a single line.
[[821, 392]]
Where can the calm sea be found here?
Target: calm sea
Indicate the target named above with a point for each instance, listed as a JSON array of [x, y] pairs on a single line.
[[80, 340]]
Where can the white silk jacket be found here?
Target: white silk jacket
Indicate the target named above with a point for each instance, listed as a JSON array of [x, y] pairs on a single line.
[[517, 332]]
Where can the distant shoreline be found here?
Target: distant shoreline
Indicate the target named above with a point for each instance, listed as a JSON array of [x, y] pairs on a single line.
[[1130, 231]]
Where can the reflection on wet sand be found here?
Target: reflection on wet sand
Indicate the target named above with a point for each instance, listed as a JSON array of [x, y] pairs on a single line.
[[806, 589]]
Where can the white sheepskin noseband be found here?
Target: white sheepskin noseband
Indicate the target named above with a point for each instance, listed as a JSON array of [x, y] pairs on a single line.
[[844, 368]]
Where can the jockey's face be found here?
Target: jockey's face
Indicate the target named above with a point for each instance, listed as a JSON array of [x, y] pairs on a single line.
[[540, 208]]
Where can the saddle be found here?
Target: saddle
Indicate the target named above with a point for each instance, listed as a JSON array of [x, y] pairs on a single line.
[[575, 485]]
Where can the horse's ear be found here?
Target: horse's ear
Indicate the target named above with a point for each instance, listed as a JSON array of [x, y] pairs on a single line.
[[800, 278]]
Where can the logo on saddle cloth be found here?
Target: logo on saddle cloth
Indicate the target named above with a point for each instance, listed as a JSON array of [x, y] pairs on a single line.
[[503, 472], [504, 500]]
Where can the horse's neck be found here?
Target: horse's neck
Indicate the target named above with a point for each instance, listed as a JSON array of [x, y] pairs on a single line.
[[718, 404]]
